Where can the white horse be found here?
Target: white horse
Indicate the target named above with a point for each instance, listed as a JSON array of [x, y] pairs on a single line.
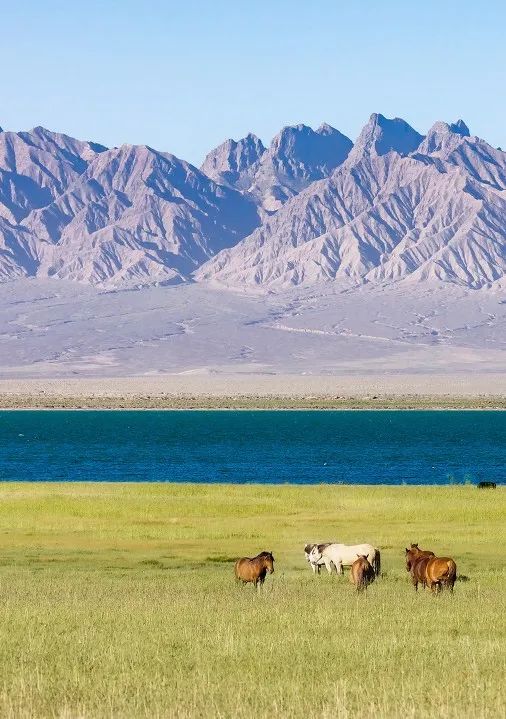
[[343, 555]]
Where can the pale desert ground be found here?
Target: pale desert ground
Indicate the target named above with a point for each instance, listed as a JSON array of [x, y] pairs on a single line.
[[63, 340], [249, 385]]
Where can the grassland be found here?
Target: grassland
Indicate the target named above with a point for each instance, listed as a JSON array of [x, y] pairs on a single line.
[[118, 601]]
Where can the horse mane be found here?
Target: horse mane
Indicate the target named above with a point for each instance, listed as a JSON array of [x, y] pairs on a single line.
[[263, 554]]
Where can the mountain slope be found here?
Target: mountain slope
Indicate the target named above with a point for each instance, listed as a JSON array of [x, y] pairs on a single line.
[[138, 215], [310, 208], [438, 212], [36, 167]]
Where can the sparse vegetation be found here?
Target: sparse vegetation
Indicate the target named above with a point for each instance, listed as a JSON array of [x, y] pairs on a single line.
[[172, 401], [119, 601]]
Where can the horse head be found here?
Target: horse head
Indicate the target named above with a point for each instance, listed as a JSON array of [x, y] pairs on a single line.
[[269, 562], [307, 550], [411, 555], [315, 555]]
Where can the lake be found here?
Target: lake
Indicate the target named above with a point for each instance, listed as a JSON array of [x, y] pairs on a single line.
[[307, 447]]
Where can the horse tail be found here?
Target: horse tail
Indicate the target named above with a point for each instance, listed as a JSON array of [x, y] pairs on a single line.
[[237, 571], [377, 562], [450, 574]]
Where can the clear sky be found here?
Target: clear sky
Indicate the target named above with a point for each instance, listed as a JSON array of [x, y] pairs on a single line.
[[184, 76]]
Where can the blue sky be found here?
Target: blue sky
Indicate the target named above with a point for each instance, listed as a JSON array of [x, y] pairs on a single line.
[[183, 76]]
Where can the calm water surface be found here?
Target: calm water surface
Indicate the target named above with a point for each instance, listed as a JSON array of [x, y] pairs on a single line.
[[304, 447]]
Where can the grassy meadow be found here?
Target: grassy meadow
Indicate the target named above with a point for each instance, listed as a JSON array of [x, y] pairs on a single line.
[[119, 601]]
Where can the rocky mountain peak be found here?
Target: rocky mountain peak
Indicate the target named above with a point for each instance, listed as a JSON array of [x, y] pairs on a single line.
[[382, 135], [228, 162], [443, 135]]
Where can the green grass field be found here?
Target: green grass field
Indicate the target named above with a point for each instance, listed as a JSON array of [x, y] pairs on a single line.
[[119, 601]]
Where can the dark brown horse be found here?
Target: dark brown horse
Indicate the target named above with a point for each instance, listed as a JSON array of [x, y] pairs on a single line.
[[440, 572], [362, 573], [414, 552], [254, 570], [415, 566], [417, 571]]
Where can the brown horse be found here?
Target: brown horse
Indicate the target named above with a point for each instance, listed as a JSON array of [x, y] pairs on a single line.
[[417, 571], [362, 573], [254, 570], [414, 555], [440, 572]]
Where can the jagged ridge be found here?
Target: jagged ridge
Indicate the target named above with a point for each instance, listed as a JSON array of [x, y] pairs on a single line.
[[311, 207]]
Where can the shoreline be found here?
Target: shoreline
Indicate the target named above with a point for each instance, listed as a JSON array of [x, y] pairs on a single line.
[[197, 391], [178, 404]]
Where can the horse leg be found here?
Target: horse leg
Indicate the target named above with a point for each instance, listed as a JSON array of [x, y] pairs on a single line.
[[328, 564], [339, 568]]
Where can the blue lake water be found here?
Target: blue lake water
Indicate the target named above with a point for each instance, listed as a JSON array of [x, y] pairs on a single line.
[[303, 447]]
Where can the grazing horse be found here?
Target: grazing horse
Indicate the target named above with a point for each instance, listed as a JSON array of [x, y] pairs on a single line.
[[343, 555], [254, 570], [362, 573], [440, 572], [315, 566]]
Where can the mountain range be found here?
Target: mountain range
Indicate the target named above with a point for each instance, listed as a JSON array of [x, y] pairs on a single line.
[[312, 207]]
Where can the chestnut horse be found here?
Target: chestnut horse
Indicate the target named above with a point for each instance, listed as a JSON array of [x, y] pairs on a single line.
[[413, 555], [429, 570], [362, 573], [254, 570], [440, 572]]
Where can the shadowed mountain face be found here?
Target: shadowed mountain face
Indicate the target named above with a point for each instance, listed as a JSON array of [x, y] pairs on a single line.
[[296, 157], [78, 211], [312, 207]]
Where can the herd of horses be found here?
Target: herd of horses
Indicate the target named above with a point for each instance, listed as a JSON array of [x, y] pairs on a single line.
[[364, 560]]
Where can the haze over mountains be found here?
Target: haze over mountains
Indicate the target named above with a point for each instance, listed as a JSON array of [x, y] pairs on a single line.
[[311, 208]]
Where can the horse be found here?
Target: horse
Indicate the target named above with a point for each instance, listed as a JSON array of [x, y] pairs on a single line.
[[362, 573], [417, 571], [315, 566], [413, 557], [486, 485], [440, 572], [254, 570], [416, 553], [343, 555]]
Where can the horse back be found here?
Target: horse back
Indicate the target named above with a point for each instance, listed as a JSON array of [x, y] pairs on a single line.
[[243, 569], [362, 573], [347, 553], [440, 569]]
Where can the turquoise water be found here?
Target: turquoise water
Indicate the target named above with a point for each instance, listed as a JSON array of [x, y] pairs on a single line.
[[304, 447]]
